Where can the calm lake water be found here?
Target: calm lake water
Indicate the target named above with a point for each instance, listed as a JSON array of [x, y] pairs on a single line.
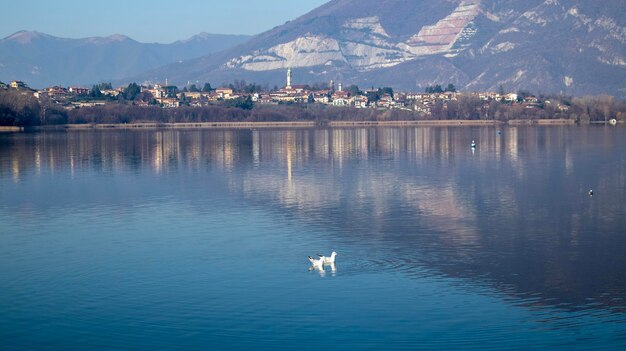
[[198, 239]]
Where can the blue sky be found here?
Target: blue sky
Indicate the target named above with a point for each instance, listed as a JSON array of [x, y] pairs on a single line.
[[149, 20]]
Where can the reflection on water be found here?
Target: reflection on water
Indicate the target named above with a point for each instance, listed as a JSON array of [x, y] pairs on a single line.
[[512, 215], [321, 270]]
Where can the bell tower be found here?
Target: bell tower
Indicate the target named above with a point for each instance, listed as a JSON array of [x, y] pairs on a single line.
[[288, 78]]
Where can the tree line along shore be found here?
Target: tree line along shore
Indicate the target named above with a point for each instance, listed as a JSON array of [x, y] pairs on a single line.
[[19, 108]]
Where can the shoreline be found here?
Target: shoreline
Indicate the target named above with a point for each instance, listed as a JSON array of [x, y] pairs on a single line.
[[201, 125], [426, 123], [270, 125], [541, 122], [297, 124]]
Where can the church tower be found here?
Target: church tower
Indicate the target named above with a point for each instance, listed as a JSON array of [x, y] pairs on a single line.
[[288, 78]]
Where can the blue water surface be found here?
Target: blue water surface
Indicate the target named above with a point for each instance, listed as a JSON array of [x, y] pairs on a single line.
[[173, 239]]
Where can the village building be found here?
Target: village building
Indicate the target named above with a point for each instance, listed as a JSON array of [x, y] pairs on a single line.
[[283, 97], [79, 91], [342, 98], [322, 96], [264, 99], [361, 101], [414, 96], [195, 95], [17, 84], [224, 93], [399, 100], [157, 91], [296, 88], [160, 91], [110, 92], [169, 102], [80, 104], [510, 97], [531, 100], [386, 101], [301, 98], [57, 92], [489, 96]]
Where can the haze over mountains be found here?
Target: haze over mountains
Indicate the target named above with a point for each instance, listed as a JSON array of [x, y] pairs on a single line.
[[569, 46], [43, 60]]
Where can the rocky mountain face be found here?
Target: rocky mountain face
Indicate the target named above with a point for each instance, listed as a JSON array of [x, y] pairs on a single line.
[[44, 60], [569, 46]]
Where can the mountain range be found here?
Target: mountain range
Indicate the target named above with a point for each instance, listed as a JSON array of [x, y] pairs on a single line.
[[574, 47], [43, 60], [553, 46]]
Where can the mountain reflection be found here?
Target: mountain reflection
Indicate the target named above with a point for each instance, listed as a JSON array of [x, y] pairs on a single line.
[[513, 215]]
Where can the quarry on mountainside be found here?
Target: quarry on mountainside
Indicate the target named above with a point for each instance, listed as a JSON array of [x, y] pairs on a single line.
[[554, 46]]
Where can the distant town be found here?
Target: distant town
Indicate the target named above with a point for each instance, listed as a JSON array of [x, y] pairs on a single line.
[[335, 94], [435, 102]]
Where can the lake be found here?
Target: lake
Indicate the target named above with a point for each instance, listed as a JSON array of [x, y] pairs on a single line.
[[198, 239]]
